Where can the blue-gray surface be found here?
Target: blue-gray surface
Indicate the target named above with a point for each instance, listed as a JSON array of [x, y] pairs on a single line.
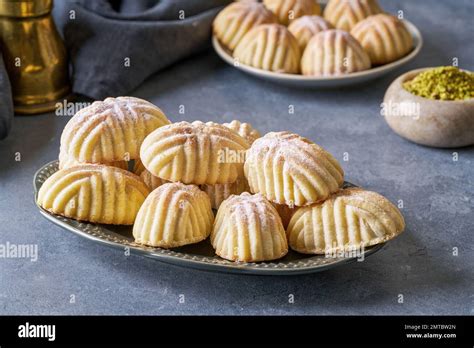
[[421, 265]]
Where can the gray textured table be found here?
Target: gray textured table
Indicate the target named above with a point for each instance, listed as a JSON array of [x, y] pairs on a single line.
[[419, 266]]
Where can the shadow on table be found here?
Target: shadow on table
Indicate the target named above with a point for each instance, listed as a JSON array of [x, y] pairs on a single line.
[[26, 143], [404, 267]]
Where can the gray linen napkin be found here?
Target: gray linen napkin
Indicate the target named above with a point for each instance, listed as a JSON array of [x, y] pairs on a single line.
[[115, 45], [6, 102]]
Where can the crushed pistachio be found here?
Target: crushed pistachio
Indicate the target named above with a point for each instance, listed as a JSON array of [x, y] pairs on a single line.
[[442, 83]]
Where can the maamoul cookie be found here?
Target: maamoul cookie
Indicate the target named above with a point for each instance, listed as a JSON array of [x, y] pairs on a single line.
[[351, 219], [95, 193], [195, 153], [270, 47], [384, 38], [304, 28], [234, 21], [333, 53], [110, 130], [344, 14], [245, 130], [288, 10], [220, 192], [173, 215], [248, 229], [66, 162], [289, 169]]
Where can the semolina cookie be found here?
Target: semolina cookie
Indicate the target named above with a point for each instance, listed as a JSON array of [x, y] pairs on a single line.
[[110, 130], [289, 10], [220, 192], [289, 169], [345, 14], [174, 215], [349, 220], [248, 229], [245, 130], [333, 53], [269, 47], [385, 38], [304, 28], [195, 153], [235, 20], [66, 162], [94, 193]]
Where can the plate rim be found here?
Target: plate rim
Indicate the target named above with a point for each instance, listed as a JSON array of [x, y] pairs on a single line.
[[372, 72], [162, 255]]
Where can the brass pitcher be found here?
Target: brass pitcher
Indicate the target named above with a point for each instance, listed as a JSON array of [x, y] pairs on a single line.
[[34, 54]]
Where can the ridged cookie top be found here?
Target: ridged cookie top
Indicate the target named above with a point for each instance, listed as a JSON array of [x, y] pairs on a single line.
[[270, 47], [384, 38], [289, 169], [220, 192], [304, 28], [245, 130], [95, 193], [110, 130], [333, 53], [352, 218], [235, 20], [67, 162], [248, 229], [195, 153], [174, 215], [288, 10], [344, 14]]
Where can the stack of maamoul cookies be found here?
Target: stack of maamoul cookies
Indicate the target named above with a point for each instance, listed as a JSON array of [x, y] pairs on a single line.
[[291, 36], [260, 186]]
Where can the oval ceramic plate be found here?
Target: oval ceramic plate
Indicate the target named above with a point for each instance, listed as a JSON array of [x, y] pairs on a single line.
[[200, 255], [296, 80]]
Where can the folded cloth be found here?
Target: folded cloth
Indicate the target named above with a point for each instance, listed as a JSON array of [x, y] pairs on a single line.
[[6, 102], [115, 45]]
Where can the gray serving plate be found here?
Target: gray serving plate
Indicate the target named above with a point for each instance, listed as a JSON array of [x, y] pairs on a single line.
[[302, 81], [200, 256]]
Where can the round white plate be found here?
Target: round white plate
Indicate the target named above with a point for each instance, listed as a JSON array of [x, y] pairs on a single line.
[[296, 80]]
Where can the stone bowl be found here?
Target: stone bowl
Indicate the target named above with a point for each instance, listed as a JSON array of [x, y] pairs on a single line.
[[435, 123]]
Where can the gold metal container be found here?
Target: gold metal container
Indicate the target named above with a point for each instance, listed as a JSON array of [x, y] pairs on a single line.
[[35, 56]]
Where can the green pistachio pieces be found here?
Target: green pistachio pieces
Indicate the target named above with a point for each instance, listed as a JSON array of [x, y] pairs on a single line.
[[442, 83]]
